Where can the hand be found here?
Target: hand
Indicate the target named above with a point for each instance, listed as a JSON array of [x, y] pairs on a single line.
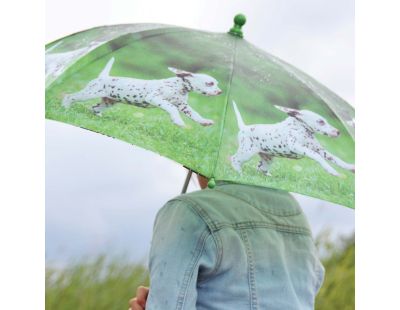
[[139, 302]]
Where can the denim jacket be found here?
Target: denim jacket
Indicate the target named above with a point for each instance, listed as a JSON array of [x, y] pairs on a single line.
[[234, 247]]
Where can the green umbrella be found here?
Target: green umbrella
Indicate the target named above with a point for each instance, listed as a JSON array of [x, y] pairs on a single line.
[[210, 101]]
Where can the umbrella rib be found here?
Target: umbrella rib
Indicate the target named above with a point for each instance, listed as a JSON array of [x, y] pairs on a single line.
[[228, 91]]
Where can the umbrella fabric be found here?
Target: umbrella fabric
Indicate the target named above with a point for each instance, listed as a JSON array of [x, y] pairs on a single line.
[[259, 83], [79, 44]]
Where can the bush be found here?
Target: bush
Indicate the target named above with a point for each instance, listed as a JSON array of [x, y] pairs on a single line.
[[338, 289], [100, 284]]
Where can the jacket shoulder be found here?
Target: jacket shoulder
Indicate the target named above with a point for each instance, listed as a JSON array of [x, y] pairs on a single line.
[[224, 208]]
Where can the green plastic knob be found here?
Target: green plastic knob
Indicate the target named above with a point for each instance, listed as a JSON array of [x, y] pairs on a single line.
[[211, 183], [239, 21]]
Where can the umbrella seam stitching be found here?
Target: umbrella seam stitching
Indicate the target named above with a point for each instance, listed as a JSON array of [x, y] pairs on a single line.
[[228, 91]]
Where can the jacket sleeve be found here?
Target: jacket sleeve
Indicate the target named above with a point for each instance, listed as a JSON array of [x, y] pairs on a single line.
[[181, 243]]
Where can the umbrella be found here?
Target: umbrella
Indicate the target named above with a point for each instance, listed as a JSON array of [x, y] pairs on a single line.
[[212, 102]]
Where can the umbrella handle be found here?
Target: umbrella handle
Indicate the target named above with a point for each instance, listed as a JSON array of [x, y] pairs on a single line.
[[186, 184]]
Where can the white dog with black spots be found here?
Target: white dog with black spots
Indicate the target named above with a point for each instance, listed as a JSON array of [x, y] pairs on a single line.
[[169, 94], [292, 138]]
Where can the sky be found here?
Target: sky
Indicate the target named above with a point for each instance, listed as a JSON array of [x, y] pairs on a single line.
[[102, 194]]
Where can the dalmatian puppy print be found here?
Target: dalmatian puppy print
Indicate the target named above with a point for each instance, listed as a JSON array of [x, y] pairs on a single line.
[[293, 138], [169, 94]]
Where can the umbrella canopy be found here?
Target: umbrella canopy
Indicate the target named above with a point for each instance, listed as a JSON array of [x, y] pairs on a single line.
[[210, 101]]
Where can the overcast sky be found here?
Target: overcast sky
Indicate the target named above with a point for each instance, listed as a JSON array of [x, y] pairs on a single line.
[[102, 194]]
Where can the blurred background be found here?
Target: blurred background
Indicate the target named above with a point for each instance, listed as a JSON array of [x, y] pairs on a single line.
[[102, 194]]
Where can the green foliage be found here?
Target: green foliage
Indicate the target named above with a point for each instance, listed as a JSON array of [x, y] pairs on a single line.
[[100, 284], [338, 289]]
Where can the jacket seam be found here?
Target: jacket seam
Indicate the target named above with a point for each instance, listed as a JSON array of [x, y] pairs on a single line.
[[188, 276], [213, 271], [277, 213], [212, 228], [215, 226], [250, 271], [253, 224]]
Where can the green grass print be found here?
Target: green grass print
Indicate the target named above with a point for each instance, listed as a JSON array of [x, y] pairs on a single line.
[[258, 83]]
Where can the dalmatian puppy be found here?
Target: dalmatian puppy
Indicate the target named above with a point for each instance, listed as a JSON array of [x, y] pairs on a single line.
[[292, 138], [169, 94]]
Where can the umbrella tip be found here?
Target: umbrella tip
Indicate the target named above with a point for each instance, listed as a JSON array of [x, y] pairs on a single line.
[[239, 21]]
